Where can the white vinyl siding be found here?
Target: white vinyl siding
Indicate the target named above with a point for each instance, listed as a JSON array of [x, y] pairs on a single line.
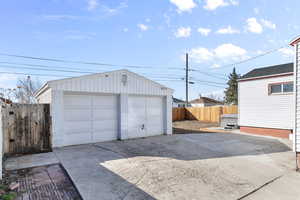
[[45, 97], [258, 108], [297, 100], [111, 82], [95, 108]]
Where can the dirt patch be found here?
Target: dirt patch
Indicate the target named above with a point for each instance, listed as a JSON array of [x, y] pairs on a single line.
[[191, 126], [46, 182]]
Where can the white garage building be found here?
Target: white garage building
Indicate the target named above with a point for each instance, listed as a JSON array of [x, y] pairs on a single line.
[[106, 106]]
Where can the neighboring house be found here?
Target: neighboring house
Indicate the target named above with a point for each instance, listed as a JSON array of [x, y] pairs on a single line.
[[205, 101], [178, 103], [5, 101], [106, 106], [266, 101], [296, 115]]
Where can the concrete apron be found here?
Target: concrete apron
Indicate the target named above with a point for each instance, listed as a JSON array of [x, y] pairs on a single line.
[[210, 166]]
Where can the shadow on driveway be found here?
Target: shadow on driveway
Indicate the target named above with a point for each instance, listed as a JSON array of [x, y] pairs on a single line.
[[171, 167]]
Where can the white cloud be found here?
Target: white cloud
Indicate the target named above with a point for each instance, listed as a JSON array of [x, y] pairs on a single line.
[[183, 32], [229, 51], [201, 54], [253, 26], [215, 66], [224, 52], [92, 4], [143, 27], [184, 5], [204, 31], [268, 24], [115, 10], [214, 4], [256, 11], [287, 52], [227, 30]]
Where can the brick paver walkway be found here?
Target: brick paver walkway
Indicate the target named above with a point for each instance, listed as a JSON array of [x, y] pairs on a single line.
[[44, 183]]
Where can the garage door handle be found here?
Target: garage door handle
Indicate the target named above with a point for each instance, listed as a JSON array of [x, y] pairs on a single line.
[[143, 126]]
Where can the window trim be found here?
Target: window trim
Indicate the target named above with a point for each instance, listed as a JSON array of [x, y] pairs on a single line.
[[280, 93]]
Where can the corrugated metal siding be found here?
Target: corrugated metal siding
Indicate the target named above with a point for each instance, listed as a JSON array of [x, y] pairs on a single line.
[[45, 97], [112, 83], [259, 109]]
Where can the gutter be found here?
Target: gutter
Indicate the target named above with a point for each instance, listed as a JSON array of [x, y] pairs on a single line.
[[264, 77]]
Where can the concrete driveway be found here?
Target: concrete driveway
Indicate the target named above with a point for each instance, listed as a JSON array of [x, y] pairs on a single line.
[[191, 166]]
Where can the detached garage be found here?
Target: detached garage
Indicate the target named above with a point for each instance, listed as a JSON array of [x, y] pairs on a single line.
[[106, 106]]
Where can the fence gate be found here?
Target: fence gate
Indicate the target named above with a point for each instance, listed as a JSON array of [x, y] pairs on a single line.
[[26, 128]]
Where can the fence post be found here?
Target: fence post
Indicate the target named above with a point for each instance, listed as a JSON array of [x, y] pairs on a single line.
[[220, 113]]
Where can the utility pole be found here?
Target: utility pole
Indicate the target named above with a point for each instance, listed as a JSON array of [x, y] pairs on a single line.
[[187, 79]]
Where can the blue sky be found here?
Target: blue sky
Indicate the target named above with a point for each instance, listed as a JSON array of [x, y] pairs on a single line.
[[155, 34]]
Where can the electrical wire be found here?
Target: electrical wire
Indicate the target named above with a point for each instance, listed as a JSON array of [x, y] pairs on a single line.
[[207, 74], [52, 68], [82, 62], [252, 58], [31, 74]]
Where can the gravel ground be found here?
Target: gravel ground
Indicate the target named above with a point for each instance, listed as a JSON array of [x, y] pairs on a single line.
[[191, 126]]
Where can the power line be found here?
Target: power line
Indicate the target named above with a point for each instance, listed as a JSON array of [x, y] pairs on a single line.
[[252, 58], [37, 65], [208, 74], [46, 68], [196, 80], [30, 74], [204, 84], [42, 69], [82, 62]]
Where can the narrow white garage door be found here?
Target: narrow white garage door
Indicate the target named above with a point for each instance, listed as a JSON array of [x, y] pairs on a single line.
[[145, 116], [90, 118]]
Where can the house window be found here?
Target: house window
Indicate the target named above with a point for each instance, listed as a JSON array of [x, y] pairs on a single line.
[[288, 87], [276, 88], [281, 88]]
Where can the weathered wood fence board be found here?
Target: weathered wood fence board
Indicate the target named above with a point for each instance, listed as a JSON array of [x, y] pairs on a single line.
[[205, 114], [26, 128]]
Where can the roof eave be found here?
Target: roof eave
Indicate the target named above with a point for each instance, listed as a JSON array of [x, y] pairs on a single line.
[[295, 41], [263, 77], [41, 90]]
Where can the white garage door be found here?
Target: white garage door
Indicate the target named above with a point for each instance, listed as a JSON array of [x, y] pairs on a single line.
[[90, 118], [145, 116]]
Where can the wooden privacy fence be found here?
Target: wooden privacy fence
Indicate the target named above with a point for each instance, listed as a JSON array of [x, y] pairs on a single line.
[[205, 114], [26, 128]]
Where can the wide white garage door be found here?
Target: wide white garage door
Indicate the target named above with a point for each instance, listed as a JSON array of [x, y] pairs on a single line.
[[145, 116], [90, 118]]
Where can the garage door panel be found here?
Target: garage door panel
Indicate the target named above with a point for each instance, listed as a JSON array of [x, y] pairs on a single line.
[[78, 115], [147, 111], [90, 118], [77, 139], [104, 100], [77, 100], [104, 115], [104, 135], [78, 127], [105, 125]]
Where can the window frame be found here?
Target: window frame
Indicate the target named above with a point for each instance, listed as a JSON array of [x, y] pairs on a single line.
[[281, 84]]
